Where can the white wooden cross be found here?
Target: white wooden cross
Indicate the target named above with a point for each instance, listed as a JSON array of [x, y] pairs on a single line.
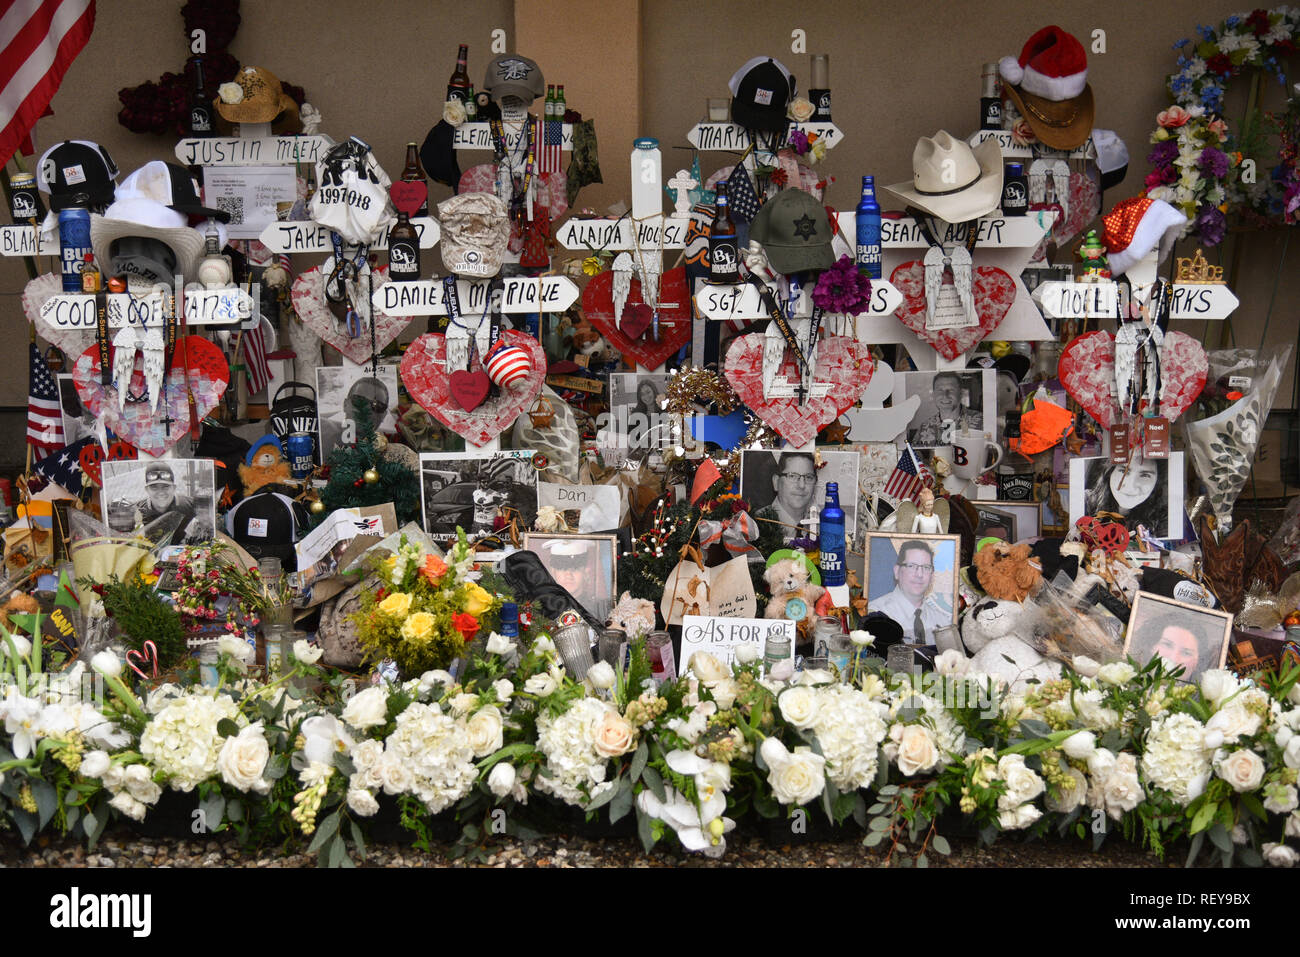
[[681, 184]]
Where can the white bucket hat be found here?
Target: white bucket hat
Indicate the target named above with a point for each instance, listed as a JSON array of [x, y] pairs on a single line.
[[140, 210], [952, 181]]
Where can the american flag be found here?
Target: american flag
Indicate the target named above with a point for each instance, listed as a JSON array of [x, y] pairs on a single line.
[[39, 39], [909, 477], [741, 198], [64, 467], [44, 417], [259, 370]]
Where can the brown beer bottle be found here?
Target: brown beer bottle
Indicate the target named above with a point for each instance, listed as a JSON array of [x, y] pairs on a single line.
[[724, 258], [413, 172], [403, 250], [458, 85]]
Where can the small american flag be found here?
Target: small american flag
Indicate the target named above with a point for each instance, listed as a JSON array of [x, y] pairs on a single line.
[[44, 415], [741, 198], [64, 467], [909, 477], [259, 370]]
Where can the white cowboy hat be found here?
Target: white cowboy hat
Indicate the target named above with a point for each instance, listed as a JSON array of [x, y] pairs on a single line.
[[952, 181]]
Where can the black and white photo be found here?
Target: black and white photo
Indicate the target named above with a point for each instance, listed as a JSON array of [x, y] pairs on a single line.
[[635, 417], [135, 493], [470, 489], [1186, 636], [78, 421], [583, 565], [1146, 492], [339, 392], [913, 580], [788, 487], [951, 401]]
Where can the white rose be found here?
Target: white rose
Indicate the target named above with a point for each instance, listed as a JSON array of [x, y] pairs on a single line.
[[95, 763], [1100, 763], [22, 646], [367, 755], [873, 686], [1281, 799], [862, 639], [504, 688], [800, 109], [799, 779], [502, 779], [1283, 736], [306, 652], [1083, 665], [362, 802], [1233, 722], [394, 776], [1291, 753], [1122, 791], [601, 675], [1293, 824], [1015, 819], [462, 703], [500, 645], [107, 664], [453, 111], [1218, 684], [541, 685], [1243, 769], [917, 750], [231, 93], [614, 735], [799, 706], [138, 781], [773, 752], [1279, 855], [367, 709], [1080, 745], [128, 805], [724, 693], [243, 758], [1116, 673], [485, 731], [952, 663], [746, 654], [1023, 785], [708, 668]]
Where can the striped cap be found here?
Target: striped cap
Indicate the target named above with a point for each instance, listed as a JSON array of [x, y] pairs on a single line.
[[506, 363]]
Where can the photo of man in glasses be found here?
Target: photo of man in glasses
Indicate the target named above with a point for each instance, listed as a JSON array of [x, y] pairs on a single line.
[[916, 591], [788, 487]]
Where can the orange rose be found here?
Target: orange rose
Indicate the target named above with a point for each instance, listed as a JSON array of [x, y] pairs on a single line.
[[1173, 117], [433, 569]]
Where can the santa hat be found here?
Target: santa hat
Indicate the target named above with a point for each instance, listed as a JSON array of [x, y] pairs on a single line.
[[1052, 65], [1135, 227]]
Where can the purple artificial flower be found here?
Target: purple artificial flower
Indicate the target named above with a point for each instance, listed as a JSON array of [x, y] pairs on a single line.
[[1213, 163], [1163, 153], [799, 142], [843, 289], [1210, 224]]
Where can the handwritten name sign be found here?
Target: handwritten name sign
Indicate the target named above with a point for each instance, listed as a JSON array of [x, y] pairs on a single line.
[[741, 301], [521, 294], [729, 136], [22, 241], [597, 505], [1009, 147], [617, 233], [721, 637], [308, 237], [241, 151], [203, 307], [478, 136], [1068, 300], [991, 231]]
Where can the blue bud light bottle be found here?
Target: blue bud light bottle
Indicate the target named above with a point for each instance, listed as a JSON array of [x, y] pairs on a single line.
[[74, 245], [867, 217], [509, 620], [831, 530]]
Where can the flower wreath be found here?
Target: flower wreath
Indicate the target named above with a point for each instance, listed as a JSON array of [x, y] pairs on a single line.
[[1197, 160]]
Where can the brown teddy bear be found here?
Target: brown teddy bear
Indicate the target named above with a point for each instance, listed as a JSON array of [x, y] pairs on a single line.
[[789, 579], [264, 465], [1006, 571]]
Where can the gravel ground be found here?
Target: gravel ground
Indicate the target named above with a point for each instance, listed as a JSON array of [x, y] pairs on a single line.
[[124, 849]]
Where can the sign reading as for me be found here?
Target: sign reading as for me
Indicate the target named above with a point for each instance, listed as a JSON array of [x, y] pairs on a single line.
[[721, 637]]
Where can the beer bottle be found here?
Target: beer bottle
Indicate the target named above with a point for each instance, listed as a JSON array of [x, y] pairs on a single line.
[[413, 172], [200, 108], [471, 106], [990, 98], [867, 223], [724, 261], [831, 530], [403, 250], [458, 85]]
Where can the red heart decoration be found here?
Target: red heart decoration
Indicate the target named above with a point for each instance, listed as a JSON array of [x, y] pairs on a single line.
[[994, 291], [408, 197], [1087, 370], [206, 377], [310, 305], [674, 317], [843, 363], [72, 341], [424, 373], [89, 459], [469, 389], [636, 320]]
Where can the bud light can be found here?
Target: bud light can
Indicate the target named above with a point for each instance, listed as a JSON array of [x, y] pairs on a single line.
[[74, 245], [301, 448]]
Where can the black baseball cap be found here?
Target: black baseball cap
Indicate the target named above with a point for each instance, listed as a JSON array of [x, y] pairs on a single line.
[[185, 196], [77, 173], [761, 97]]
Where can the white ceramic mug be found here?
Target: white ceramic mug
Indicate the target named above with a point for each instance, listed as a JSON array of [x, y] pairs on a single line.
[[970, 451]]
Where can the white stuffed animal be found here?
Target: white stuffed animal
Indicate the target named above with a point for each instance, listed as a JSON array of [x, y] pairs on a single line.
[[989, 631]]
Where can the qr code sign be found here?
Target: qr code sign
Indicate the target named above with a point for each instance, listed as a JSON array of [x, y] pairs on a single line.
[[234, 205]]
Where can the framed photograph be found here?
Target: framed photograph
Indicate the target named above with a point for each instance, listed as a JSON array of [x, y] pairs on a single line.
[[951, 401], [1146, 492], [995, 522], [584, 565], [339, 388], [78, 421], [135, 493], [1190, 637], [635, 419], [469, 489], [1024, 517], [787, 486], [913, 580]]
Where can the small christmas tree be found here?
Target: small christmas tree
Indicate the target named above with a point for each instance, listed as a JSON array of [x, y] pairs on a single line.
[[360, 474]]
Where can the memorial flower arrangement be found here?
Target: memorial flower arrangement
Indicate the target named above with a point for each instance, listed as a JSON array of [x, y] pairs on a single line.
[[424, 609]]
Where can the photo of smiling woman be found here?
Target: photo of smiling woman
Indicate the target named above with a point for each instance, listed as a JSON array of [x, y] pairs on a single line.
[[1146, 492], [1184, 636]]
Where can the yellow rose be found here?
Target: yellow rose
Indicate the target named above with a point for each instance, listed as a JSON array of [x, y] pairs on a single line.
[[477, 600], [418, 628], [396, 605]]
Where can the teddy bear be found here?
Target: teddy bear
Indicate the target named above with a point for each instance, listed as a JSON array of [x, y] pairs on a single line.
[[635, 616], [789, 579], [991, 629], [264, 465]]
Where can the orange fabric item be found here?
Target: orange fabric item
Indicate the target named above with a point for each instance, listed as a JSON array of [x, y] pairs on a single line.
[[705, 476], [1044, 426]]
